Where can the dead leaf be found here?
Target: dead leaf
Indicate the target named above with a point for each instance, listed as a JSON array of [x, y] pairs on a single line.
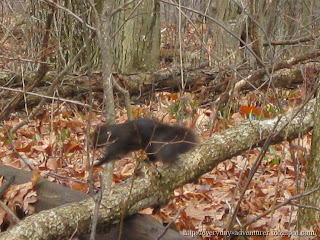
[[35, 177]]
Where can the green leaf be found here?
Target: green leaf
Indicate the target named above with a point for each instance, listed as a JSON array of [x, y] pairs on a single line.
[[276, 160], [37, 137], [64, 134], [272, 150]]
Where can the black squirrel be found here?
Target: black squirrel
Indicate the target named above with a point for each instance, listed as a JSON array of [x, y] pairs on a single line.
[[160, 141]]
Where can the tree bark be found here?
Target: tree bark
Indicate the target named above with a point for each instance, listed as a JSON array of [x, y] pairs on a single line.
[[142, 82], [309, 218], [52, 195], [285, 73], [155, 189], [137, 42]]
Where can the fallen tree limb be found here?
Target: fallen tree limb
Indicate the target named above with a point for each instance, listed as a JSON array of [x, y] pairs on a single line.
[[52, 195], [154, 189], [285, 74], [292, 42], [283, 64]]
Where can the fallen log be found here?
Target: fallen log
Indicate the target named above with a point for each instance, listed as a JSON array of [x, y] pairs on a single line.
[[155, 189], [76, 86], [51, 195]]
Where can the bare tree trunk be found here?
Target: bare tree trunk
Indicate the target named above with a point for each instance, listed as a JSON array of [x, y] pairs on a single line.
[[308, 217], [138, 37], [104, 33], [107, 59]]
